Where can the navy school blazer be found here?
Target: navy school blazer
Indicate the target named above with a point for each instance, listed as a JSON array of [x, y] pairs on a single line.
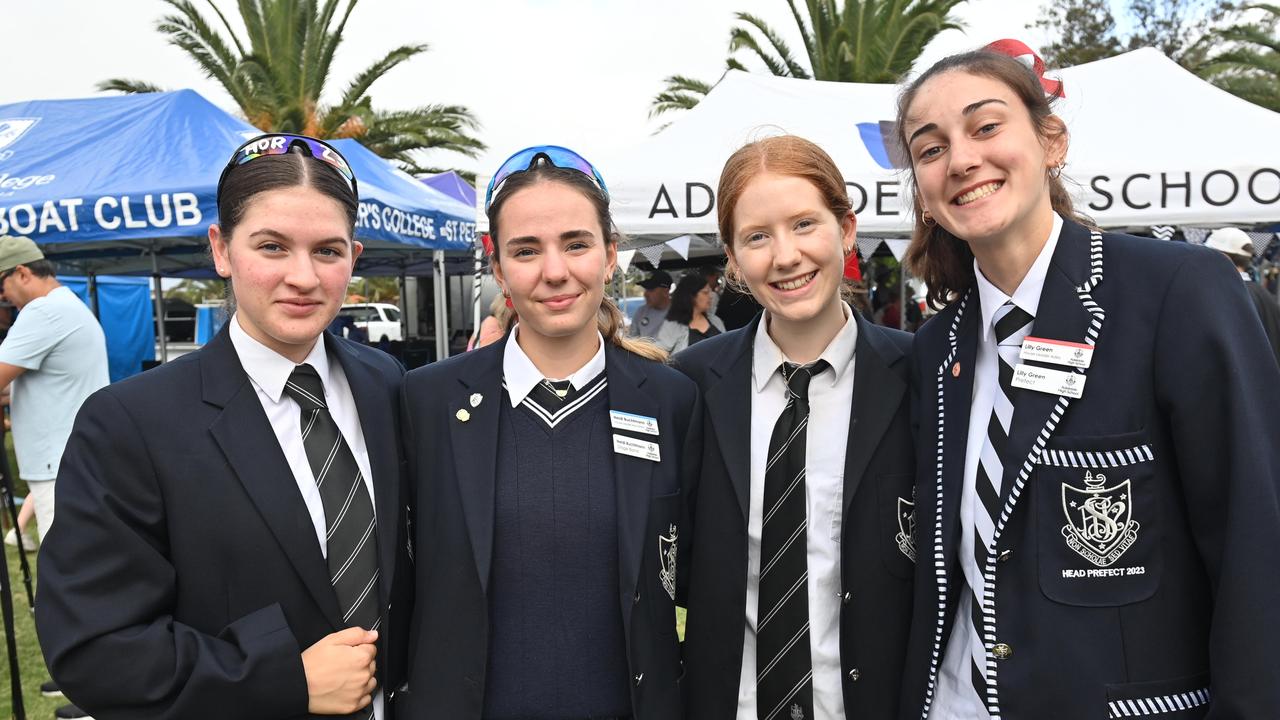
[[183, 578], [877, 559], [452, 467], [1132, 566]]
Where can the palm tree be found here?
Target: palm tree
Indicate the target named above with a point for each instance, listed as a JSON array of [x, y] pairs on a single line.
[[278, 71], [873, 41], [1250, 65]]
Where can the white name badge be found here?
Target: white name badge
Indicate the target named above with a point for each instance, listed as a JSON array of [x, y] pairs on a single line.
[[1045, 380], [634, 423], [642, 449], [1058, 352]]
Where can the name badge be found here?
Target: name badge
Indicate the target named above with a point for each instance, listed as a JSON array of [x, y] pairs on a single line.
[[633, 423], [1045, 380], [642, 449], [1058, 352]]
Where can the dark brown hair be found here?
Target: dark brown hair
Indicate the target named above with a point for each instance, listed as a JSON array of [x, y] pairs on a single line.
[[609, 319], [685, 296], [941, 259]]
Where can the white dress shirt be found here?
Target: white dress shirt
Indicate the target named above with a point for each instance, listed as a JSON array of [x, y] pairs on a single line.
[[521, 376], [830, 404], [268, 371], [956, 699]]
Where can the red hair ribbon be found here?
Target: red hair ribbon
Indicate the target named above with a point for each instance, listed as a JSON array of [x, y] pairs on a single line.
[[852, 270], [488, 244], [1019, 51]]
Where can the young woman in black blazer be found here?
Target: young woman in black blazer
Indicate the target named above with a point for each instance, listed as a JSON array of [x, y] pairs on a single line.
[[1098, 465], [548, 470], [818, 632]]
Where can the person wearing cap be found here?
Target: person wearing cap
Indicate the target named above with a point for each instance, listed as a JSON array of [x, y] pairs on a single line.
[[53, 357], [648, 318], [1236, 245]]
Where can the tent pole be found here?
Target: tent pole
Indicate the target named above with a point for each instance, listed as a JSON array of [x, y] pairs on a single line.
[[91, 282], [159, 291], [442, 312], [404, 313], [475, 296]]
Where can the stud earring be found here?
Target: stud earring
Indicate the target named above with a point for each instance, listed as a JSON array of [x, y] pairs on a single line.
[[927, 219]]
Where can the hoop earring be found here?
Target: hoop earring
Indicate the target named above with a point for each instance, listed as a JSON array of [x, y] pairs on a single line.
[[927, 219], [1055, 172]]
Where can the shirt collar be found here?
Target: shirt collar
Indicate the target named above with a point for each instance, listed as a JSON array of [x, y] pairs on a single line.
[[1027, 296], [767, 356], [521, 376], [269, 369]]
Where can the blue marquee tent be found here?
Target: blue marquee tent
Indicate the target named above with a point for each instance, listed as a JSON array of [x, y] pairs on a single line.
[[126, 185], [452, 184]]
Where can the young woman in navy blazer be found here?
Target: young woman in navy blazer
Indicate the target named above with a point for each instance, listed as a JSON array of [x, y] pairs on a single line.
[[548, 469], [788, 228], [1118, 565]]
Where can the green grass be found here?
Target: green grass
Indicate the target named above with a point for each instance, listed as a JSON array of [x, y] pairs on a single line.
[[30, 661]]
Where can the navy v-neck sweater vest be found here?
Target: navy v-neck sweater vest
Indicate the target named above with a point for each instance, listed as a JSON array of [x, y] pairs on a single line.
[[556, 645]]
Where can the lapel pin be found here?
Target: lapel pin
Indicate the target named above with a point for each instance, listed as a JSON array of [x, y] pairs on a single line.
[[475, 399], [463, 415], [955, 370]]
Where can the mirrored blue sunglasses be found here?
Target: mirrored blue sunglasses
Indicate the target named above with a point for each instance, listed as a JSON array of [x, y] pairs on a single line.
[[560, 157], [284, 143]]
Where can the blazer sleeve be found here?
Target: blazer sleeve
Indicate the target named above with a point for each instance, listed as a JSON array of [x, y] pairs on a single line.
[[690, 473], [1218, 386], [105, 618]]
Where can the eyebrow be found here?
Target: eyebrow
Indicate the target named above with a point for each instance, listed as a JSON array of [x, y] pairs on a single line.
[[281, 236], [969, 109], [534, 240]]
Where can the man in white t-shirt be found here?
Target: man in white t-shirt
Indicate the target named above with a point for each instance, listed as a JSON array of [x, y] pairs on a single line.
[[55, 356]]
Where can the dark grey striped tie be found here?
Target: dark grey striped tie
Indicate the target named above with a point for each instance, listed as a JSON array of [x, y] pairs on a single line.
[[784, 664], [350, 529], [1012, 325]]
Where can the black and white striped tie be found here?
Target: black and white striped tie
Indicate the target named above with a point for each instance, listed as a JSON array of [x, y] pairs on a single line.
[[784, 665], [1012, 325], [351, 540]]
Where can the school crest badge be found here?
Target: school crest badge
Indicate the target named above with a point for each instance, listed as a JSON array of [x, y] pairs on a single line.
[[1100, 524], [13, 128], [667, 557], [797, 712], [906, 537]]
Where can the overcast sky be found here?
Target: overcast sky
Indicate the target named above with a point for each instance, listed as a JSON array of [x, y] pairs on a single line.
[[579, 73]]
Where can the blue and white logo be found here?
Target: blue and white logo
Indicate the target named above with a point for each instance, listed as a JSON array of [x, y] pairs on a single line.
[[13, 128]]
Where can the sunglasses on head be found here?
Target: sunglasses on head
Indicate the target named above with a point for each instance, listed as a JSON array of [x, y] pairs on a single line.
[[557, 156], [283, 144]]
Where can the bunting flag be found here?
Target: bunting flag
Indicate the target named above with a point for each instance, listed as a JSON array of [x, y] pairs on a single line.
[[624, 259], [680, 245], [1163, 232], [1261, 241], [1195, 235], [897, 246], [653, 253], [867, 245]]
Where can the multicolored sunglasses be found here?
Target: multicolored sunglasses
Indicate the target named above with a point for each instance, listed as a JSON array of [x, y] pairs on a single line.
[[560, 157], [282, 144]]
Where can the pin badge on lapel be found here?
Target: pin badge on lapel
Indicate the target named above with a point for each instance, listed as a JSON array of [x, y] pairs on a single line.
[[475, 399], [955, 370], [463, 415]]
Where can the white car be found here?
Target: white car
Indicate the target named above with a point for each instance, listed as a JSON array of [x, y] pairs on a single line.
[[380, 320]]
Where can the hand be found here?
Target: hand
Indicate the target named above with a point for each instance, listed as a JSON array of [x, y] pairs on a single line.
[[340, 672]]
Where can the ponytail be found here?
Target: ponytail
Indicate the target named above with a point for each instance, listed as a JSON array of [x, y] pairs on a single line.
[[610, 323]]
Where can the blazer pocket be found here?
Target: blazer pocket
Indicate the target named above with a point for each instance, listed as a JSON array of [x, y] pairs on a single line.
[[657, 587], [896, 513], [1098, 517], [1177, 699]]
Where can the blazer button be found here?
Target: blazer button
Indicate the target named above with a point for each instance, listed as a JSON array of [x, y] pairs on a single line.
[[847, 598], [636, 600], [1004, 556], [638, 678], [1002, 651], [854, 675]]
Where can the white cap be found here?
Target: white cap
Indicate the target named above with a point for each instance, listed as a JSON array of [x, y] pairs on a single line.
[[1232, 241]]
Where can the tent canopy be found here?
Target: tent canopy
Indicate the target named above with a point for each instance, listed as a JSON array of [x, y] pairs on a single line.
[[454, 185], [127, 184], [1150, 144]]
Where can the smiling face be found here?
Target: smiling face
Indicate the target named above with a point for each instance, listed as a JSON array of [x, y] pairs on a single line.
[[981, 167], [553, 260], [289, 260], [789, 248]]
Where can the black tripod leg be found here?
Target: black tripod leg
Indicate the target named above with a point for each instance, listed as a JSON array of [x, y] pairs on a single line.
[[11, 640], [6, 496]]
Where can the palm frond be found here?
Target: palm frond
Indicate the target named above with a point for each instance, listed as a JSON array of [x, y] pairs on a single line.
[[129, 87]]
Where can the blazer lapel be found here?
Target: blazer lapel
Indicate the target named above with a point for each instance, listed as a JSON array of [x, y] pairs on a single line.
[[249, 444], [1060, 316], [475, 447], [374, 406], [729, 409], [957, 394], [632, 476], [877, 393]]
